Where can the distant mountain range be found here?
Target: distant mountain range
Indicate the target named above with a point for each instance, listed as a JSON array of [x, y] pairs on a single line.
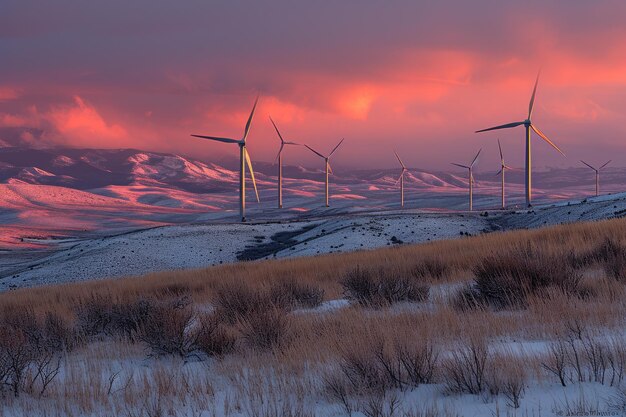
[[27, 162]]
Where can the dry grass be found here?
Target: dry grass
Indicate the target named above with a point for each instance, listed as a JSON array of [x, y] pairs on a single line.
[[358, 357], [324, 271]]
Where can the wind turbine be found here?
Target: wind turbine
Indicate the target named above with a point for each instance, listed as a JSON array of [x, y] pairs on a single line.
[[597, 174], [528, 125], [503, 168], [401, 179], [471, 177], [326, 160], [279, 159], [244, 159]]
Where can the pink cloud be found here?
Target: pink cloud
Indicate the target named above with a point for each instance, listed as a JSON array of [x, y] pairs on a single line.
[[81, 124]]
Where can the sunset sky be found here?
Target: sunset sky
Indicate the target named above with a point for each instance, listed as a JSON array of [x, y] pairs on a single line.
[[419, 77]]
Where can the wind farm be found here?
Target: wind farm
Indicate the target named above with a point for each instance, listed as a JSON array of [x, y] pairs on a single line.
[[353, 258]]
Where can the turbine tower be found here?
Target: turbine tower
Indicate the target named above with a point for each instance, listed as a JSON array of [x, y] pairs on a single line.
[[401, 180], [597, 175], [528, 124], [279, 159], [471, 177], [244, 159], [326, 160], [503, 168]]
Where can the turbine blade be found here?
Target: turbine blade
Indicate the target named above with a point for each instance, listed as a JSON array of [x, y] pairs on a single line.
[[399, 160], [316, 152], [330, 169], [291, 143], [225, 140], [532, 98], [277, 131], [544, 137], [249, 163], [247, 130], [282, 145], [500, 147], [338, 145], [399, 178], [459, 165], [506, 126], [476, 157], [587, 165], [499, 172], [608, 162]]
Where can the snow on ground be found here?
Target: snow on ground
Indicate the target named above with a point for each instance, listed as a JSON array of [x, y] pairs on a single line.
[[197, 246], [82, 256]]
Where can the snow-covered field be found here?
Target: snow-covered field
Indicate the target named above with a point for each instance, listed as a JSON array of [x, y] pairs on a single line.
[[93, 255]]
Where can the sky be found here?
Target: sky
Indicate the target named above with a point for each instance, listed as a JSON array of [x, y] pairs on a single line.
[[415, 76]]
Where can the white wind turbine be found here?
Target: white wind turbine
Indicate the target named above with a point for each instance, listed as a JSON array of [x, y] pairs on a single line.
[[597, 170], [529, 125], [471, 177], [244, 159], [326, 160], [503, 167], [401, 179], [279, 159]]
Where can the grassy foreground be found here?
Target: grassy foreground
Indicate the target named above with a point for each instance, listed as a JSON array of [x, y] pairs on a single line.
[[374, 333]]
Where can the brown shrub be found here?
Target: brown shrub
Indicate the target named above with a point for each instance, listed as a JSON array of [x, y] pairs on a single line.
[[508, 279], [234, 300], [101, 315], [265, 329], [382, 287], [291, 294], [214, 338], [168, 330]]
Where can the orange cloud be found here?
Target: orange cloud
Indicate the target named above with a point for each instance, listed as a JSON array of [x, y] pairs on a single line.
[[82, 124]]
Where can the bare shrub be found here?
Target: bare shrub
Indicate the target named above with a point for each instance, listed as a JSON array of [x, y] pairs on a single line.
[[610, 253], [613, 256], [382, 287], [16, 354], [235, 300], [556, 361], [214, 338], [168, 330], [465, 370], [508, 279], [367, 372], [291, 294], [265, 329], [363, 373], [101, 315], [507, 377], [419, 360], [339, 390], [384, 405], [617, 361]]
